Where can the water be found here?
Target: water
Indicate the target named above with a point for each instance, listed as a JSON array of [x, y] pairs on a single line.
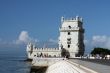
[[12, 61]]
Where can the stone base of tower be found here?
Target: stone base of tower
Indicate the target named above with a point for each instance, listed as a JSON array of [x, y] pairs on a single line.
[[72, 55]]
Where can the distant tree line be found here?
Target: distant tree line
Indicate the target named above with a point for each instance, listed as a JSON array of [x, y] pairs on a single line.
[[102, 52]]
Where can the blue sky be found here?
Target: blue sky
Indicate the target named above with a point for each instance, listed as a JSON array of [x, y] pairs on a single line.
[[40, 19]]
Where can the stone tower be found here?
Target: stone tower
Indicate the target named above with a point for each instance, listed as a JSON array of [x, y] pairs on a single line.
[[72, 36]]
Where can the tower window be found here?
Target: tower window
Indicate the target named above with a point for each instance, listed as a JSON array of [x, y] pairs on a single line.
[[68, 40], [69, 27], [34, 55], [68, 33], [68, 46]]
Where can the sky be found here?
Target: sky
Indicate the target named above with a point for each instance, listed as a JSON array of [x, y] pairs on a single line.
[[22, 21]]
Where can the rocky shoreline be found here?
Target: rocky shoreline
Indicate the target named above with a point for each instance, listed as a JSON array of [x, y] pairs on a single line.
[[37, 69]]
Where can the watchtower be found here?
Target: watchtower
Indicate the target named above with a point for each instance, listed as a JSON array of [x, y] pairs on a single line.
[[72, 36]]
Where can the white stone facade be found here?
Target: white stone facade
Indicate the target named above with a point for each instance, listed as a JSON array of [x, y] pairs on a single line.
[[32, 52], [71, 38]]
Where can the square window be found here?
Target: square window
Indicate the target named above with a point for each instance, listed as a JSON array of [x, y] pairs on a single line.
[[68, 33], [68, 46], [69, 27]]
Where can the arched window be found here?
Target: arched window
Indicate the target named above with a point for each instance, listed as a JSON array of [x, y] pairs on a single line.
[[68, 39]]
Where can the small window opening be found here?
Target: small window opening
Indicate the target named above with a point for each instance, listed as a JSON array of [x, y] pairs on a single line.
[[68, 33], [68, 46], [69, 27]]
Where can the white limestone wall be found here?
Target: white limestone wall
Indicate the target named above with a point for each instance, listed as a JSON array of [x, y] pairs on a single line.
[[44, 52], [32, 52], [72, 23], [74, 27], [48, 53], [74, 41], [29, 50]]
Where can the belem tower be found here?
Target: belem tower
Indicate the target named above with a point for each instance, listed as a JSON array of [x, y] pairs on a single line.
[[71, 39]]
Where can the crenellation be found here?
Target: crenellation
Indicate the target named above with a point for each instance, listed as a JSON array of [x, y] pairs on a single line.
[[45, 49], [77, 18]]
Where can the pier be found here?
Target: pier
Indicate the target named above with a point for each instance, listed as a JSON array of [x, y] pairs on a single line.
[[59, 65], [42, 62]]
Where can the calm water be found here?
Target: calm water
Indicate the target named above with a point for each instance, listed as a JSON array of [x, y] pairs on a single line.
[[11, 61]]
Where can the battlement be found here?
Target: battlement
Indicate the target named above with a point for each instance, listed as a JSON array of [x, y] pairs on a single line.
[[46, 49], [31, 47], [77, 18]]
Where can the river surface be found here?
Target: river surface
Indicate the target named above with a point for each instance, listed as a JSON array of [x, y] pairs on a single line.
[[12, 61]]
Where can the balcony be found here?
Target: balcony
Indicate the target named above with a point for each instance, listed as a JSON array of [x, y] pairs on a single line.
[[66, 29], [69, 29], [68, 42]]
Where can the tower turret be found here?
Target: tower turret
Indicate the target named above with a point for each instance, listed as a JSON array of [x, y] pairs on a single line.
[[29, 49]]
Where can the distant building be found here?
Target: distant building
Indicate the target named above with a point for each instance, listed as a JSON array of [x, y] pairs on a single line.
[[71, 39]]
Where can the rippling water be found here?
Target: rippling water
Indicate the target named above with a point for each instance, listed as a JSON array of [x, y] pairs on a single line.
[[13, 62]]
